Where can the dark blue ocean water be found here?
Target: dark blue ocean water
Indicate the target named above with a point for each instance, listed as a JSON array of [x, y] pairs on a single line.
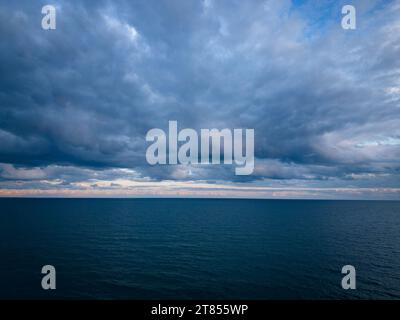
[[189, 248]]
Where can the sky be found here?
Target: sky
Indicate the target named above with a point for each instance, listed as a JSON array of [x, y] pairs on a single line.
[[76, 102]]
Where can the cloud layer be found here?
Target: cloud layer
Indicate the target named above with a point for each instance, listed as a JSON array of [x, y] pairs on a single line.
[[76, 102]]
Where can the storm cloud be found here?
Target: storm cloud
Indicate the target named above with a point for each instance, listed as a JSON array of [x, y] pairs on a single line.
[[76, 102]]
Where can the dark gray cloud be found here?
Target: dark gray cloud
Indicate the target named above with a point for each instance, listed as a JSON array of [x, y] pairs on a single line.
[[324, 102]]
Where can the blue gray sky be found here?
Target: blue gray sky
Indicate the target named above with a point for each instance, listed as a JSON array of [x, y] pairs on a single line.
[[76, 102]]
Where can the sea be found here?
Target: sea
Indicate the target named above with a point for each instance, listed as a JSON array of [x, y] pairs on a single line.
[[199, 248]]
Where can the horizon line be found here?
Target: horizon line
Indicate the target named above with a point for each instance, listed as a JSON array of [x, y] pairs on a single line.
[[191, 198]]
